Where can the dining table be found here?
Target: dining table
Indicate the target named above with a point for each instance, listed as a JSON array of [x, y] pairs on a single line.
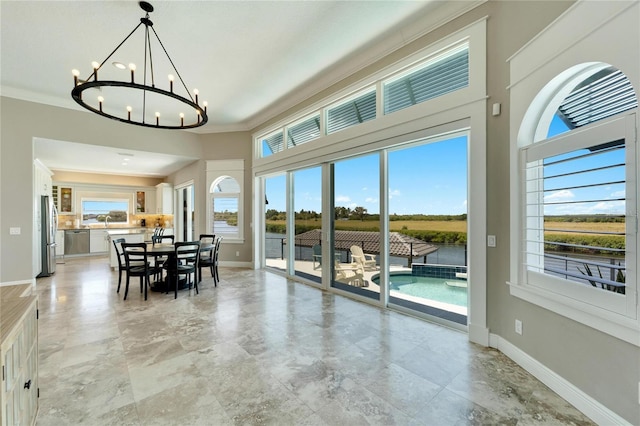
[[165, 249]]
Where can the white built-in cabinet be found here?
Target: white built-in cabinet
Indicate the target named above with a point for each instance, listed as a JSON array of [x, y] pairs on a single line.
[[129, 238], [98, 241], [164, 198], [19, 356]]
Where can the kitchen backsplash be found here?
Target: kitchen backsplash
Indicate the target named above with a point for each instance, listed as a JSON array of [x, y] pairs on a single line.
[[72, 221]]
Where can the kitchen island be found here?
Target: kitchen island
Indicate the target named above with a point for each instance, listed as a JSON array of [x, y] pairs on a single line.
[[130, 235]]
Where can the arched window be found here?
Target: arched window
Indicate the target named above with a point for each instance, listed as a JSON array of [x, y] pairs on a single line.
[[578, 199], [574, 185], [226, 213]]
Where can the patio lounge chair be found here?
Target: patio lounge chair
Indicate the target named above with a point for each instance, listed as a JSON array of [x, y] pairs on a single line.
[[317, 256], [367, 261], [350, 273]]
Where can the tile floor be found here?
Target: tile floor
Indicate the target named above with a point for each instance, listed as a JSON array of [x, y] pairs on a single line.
[[260, 349]]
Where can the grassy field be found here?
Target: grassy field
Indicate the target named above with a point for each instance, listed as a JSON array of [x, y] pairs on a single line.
[[584, 226], [452, 225]]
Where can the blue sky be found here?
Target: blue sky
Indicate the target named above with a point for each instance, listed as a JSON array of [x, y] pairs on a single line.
[[604, 195], [427, 179]]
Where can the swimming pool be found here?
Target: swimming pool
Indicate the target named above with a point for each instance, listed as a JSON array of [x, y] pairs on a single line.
[[452, 291]]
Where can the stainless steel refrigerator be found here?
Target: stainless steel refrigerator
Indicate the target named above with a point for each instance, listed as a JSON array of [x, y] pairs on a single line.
[[48, 228]]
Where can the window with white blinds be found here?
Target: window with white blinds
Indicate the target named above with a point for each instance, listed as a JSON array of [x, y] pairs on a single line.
[[579, 194], [272, 143], [579, 199], [444, 74], [352, 112], [304, 131]]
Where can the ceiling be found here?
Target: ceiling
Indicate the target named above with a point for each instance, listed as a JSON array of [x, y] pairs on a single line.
[[249, 60]]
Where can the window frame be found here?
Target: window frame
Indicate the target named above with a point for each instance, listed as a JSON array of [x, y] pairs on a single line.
[[216, 171], [609, 312], [104, 200]]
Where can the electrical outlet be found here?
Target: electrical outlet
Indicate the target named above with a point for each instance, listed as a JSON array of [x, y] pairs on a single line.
[[519, 327], [491, 240], [14, 231], [237, 254]]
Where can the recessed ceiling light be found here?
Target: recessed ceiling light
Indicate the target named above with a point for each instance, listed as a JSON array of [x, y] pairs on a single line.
[[120, 65]]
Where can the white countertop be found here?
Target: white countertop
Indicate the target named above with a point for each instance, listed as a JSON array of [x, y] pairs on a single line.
[[128, 231]]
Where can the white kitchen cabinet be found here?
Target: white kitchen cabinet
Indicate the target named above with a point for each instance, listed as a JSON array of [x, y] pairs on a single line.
[[164, 198], [59, 243], [98, 241], [19, 358], [129, 238]]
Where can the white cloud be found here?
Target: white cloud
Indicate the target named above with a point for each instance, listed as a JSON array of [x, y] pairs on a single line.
[[394, 193], [562, 195], [365, 188], [618, 194], [371, 200], [342, 199]]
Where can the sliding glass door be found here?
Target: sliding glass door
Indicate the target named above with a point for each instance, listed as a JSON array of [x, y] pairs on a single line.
[[356, 225], [307, 210], [428, 228], [275, 220]]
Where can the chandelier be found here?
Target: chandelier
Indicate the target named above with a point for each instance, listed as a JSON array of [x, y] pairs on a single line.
[[142, 104]]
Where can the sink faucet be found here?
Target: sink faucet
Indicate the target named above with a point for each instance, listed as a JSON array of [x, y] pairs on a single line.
[[106, 221]]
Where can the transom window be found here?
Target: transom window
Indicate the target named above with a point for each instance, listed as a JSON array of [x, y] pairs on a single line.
[[442, 72]]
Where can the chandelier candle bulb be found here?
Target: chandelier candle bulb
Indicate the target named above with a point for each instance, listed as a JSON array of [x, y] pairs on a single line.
[[181, 119], [100, 101], [95, 66], [171, 83], [195, 92], [205, 103], [76, 74], [129, 113], [157, 118]]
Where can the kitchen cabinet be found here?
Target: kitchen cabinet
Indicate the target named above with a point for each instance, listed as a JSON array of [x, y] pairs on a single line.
[[98, 241], [19, 357], [129, 237], [65, 201], [164, 198]]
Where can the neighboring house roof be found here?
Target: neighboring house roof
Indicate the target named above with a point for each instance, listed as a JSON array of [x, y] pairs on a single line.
[[399, 244]]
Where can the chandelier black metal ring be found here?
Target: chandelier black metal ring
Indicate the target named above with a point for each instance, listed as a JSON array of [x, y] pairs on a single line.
[[196, 116]]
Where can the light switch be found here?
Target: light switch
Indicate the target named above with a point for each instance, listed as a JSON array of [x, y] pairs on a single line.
[[491, 240], [14, 231]]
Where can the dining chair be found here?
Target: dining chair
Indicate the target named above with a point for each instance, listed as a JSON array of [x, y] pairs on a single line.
[[121, 261], [206, 255], [186, 258], [216, 251], [137, 264], [159, 260]]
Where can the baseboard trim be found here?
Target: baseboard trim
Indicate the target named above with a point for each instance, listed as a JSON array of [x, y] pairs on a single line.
[[32, 282], [583, 402], [479, 335], [234, 264]]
